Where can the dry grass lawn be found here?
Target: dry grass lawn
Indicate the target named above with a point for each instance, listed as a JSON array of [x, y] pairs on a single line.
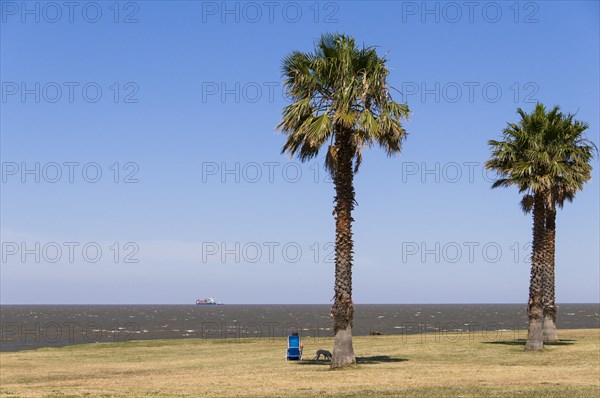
[[453, 365]]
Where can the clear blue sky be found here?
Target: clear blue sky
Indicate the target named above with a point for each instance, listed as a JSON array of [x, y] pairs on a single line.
[[190, 90]]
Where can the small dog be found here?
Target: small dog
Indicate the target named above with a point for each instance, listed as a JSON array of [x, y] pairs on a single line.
[[325, 354]]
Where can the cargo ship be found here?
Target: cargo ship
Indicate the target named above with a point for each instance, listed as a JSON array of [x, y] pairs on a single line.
[[207, 301]]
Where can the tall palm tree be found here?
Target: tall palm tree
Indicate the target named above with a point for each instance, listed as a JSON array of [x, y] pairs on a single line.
[[566, 145], [520, 160], [340, 98]]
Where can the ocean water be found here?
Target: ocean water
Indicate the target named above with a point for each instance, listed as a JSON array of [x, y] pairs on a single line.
[[34, 326]]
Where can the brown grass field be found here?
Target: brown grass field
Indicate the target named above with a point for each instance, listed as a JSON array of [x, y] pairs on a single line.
[[451, 365]]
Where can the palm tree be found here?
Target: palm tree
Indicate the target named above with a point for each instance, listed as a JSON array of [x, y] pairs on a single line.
[[520, 160], [340, 98], [545, 156], [571, 149]]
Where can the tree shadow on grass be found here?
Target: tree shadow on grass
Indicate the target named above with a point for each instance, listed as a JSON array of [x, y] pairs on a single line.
[[372, 360], [523, 342], [313, 362]]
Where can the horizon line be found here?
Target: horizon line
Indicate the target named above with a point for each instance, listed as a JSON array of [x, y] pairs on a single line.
[[229, 304]]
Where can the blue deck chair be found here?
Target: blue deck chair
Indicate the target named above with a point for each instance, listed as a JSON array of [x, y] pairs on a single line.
[[294, 352]]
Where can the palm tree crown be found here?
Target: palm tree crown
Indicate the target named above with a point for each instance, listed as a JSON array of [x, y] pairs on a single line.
[[545, 152], [339, 86]]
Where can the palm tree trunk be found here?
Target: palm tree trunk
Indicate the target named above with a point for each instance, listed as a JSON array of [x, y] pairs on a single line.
[[549, 278], [535, 307], [343, 309]]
